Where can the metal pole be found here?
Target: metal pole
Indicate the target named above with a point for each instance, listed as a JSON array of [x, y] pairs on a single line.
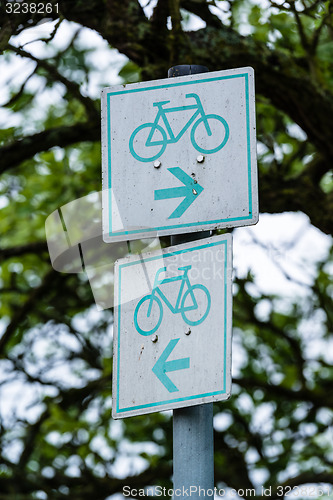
[[193, 443], [193, 452]]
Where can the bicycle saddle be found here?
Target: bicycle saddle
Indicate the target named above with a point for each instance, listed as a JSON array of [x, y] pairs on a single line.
[[184, 268]]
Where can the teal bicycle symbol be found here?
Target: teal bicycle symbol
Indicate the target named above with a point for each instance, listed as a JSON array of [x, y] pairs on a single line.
[[193, 303], [153, 135]]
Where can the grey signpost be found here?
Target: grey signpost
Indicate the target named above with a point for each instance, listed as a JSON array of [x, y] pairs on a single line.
[[193, 438], [179, 156]]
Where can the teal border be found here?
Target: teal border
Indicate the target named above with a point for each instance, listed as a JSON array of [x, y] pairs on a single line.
[[195, 396], [188, 224]]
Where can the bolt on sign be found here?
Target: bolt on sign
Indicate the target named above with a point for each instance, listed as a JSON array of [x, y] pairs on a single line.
[[172, 327], [179, 155]]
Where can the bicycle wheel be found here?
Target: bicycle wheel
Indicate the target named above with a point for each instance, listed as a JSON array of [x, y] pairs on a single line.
[[149, 324], [213, 142], [138, 143], [195, 314]]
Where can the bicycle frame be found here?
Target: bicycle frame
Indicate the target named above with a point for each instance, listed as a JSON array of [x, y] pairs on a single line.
[[162, 113], [184, 280]]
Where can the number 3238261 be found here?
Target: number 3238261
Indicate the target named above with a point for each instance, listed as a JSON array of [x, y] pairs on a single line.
[[303, 491], [31, 8]]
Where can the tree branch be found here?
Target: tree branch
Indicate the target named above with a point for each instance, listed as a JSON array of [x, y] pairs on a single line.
[[278, 195], [201, 9], [13, 154], [25, 309], [71, 86], [320, 400], [303, 478], [35, 248]]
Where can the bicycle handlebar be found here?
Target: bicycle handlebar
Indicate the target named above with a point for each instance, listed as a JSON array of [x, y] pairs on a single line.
[[169, 280], [195, 96]]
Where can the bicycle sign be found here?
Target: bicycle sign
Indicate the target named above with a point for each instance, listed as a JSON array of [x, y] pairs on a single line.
[[150, 130], [187, 302], [172, 343], [179, 155]]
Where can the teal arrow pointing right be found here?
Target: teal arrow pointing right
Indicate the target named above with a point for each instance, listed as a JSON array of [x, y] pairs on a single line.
[[190, 190], [162, 366]]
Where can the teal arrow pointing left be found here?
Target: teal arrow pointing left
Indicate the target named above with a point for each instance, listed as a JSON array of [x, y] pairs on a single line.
[[190, 190], [162, 366]]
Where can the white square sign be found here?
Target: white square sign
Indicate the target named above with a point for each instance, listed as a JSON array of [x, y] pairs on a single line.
[[172, 328], [179, 155]]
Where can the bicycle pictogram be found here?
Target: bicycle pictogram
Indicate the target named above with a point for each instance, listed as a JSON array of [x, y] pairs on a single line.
[[153, 135], [193, 303]]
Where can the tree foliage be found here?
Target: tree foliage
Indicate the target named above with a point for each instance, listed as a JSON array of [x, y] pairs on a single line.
[[58, 440]]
